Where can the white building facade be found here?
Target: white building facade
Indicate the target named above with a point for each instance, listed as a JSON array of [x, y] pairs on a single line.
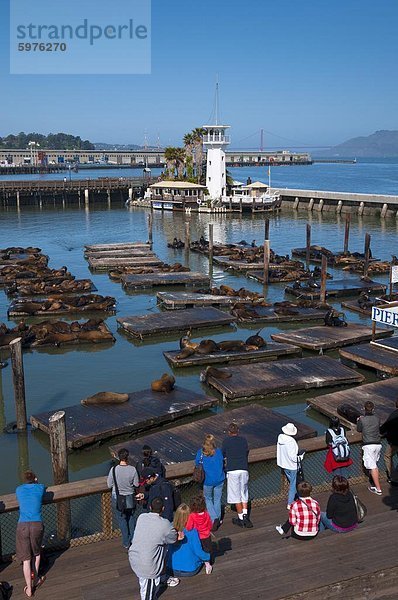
[[215, 142]]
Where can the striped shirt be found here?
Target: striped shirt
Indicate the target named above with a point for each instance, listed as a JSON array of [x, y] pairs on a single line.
[[305, 515]]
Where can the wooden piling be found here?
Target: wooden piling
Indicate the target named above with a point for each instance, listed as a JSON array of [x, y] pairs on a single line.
[[150, 228], [59, 459], [211, 242], [187, 235], [367, 254], [266, 262], [308, 246], [266, 229], [19, 383], [86, 197], [347, 232], [324, 269]]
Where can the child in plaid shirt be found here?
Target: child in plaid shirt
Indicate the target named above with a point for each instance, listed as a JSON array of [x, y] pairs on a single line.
[[304, 515]]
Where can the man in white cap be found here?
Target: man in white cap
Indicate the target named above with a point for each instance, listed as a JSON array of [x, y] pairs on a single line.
[[286, 458]]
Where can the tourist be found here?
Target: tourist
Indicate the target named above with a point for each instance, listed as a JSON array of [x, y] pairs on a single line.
[[149, 460], [338, 455], [341, 512], [157, 487], [304, 515], [30, 529], [235, 451], [369, 426], [186, 557], [123, 479], [147, 552], [212, 461], [286, 458], [200, 520], [389, 430]]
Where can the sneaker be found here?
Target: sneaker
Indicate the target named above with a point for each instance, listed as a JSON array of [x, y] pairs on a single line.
[[216, 525], [288, 506], [173, 581], [209, 569], [246, 522], [238, 522], [374, 490], [279, 529]]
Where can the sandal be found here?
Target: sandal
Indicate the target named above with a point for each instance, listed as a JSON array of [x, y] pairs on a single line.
[[40, 581], [25, 590]]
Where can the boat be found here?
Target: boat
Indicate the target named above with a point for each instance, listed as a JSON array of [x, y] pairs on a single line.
[[253, 197]]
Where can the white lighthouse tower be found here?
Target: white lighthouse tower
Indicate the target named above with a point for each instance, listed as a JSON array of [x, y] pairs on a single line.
[[215, 141]]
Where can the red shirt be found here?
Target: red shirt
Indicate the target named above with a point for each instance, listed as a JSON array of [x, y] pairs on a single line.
[[200, 521], [305, 515]]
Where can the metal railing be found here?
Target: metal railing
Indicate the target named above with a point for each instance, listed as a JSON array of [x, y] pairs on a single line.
[[80, 513]]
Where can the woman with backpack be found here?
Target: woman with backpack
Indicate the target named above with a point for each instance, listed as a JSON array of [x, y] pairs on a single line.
[[338, 455], [211, 459], [341, 512]]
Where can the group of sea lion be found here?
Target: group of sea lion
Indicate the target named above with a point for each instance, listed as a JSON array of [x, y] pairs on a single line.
[[56, 333], [204, 347], [23, 256], [25, 274], [116, 274], [376, 267], [176, 244], [70, 304], [225, 290], [54, 286]]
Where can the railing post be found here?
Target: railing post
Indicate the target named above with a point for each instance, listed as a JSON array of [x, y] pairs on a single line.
[[19, 383], [59, 456]]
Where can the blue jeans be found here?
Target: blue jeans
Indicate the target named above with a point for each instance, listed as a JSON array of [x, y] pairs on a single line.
[[291, 477], [186, 573], [326, 523], [126, 521], [212, 494], [343, 471]]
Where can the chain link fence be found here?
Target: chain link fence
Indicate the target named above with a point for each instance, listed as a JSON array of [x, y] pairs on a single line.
[[90, 518]]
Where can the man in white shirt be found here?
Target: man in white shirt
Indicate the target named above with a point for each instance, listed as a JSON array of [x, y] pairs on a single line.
[[286, 458]]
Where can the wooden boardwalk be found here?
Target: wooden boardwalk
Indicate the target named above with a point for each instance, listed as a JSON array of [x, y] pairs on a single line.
[[326, 338], [176, 300], [282, 377], [143, 410], [149, 280], [249, 564], [117, 246], [267, 314], [261, 426], [174, 321], [382, 393], [272, 351], [372, 356], [338, 288]]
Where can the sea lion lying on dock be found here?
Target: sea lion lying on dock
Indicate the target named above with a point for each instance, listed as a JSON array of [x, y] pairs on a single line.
[[213, 372], [334, 318], [56, 286], [165, 384], [349, 412], [256, 341], [84, 303], [20, 250], [105, 398]]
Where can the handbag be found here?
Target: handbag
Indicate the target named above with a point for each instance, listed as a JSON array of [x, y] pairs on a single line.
[[198, 474], [362, 511], [121, 503]]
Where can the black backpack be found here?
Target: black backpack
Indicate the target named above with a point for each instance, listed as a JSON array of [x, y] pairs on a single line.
[[5, 590]]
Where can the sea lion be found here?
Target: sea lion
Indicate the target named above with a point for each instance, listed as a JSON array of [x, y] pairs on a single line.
[[185, 342], [213, 372], [256, 340], [207, 347], [231, 345], [105, 398], [349, 412], [165, 384], [185, 353]]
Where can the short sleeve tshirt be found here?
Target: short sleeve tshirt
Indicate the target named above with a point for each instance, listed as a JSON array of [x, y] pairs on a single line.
[[235, 451], [30, 499]]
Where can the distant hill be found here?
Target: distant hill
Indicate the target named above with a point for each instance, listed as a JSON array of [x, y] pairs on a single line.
[[382, 143], [52, 141]]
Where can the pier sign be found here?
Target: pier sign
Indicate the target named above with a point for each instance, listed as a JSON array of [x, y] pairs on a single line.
[[394, 274], [386, 315]]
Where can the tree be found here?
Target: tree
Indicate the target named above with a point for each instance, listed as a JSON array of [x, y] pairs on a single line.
[[189, 158], [175, 159], [198, 134]]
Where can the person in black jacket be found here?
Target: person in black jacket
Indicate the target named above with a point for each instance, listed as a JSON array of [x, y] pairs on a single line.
[[149, 460], [157, 487], [389, 430], [341, 512]]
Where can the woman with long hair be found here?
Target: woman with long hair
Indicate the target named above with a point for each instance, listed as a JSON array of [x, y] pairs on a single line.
[[341, 512], [212, 461], [186, 557]]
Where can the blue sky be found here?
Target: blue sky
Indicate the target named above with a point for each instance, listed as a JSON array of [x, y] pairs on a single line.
[[313, 72]]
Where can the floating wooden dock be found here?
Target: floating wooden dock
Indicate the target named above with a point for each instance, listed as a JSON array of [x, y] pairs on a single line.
[[382, 393], [260, 426], [272, 351], [18, 308], [176, 300], [267, 314], [143, 410], [325, 338], [148, 280], [105, 264], [343, 287], [174, 321], [117, 246], [354, 305], [390, 344], [372, 356], [135, 252], [282, 377], [237, 265]]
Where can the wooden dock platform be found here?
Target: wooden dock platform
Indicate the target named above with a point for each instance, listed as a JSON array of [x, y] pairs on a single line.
[[124, 253], [117, 246], [260, 426], [282, 377], [175, 321], [148, 280], [272, 351], [267, 314], [354, 305], [389, 344], [143, 410], [177, 300], [338, 288], [237, 265], [326, 338], [382, 393], [372, 356], [23, 307]]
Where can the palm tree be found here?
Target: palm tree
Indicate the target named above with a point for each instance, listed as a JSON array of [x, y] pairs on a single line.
[[169, 155], [175, 161], [179, 158], [198, 134], [189, 145]]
